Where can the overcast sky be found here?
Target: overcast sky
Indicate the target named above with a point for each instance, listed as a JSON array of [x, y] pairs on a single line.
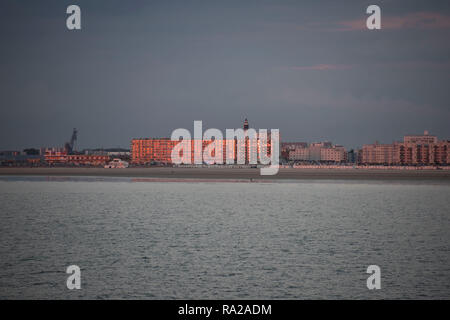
[[143, 68]]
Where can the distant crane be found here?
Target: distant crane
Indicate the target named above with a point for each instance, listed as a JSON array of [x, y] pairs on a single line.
[[69, 146]]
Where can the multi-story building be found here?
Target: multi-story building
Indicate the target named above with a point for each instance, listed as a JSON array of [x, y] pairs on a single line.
[[60, 156], [414, 150], [150, 150], [352, 156], [55, 155], [333, 154], [379, 153], [299, 153], [315, 151], [318, 151], [87, 160], [287, 147], [426, 138], [20, 160]]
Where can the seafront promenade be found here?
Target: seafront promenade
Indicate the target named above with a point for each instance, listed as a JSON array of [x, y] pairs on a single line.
[[238, 173]]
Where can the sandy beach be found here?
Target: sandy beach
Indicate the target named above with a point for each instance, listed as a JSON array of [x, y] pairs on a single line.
[[235, 173]]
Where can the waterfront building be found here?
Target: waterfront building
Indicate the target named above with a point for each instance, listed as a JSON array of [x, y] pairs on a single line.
[[159, 150], [299, 153], [426, 138], [20, 160], [352, 156], [55, 156], [87, 160], [414, 150], [379, 153], [317, 151], [333, 154]]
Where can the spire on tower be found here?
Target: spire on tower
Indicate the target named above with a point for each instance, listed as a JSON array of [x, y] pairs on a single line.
[[245, 124]]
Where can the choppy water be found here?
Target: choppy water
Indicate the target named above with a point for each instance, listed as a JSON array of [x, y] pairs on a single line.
[[291, 240]]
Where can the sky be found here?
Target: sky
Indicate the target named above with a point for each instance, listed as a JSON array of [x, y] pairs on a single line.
[[144, 68]]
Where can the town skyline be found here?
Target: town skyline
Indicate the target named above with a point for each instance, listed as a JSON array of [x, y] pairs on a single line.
[[84, 146], [244, 145]]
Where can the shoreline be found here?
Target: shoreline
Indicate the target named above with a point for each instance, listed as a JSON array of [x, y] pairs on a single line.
[[234, 173]]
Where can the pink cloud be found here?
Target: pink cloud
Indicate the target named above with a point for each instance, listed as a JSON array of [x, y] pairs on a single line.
[[416, 20], [322, 67]]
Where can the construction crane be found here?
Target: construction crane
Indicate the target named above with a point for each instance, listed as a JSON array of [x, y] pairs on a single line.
[[69, 146]]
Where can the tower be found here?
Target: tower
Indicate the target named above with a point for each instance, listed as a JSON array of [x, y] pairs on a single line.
[[247, 144], [245, 124]]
